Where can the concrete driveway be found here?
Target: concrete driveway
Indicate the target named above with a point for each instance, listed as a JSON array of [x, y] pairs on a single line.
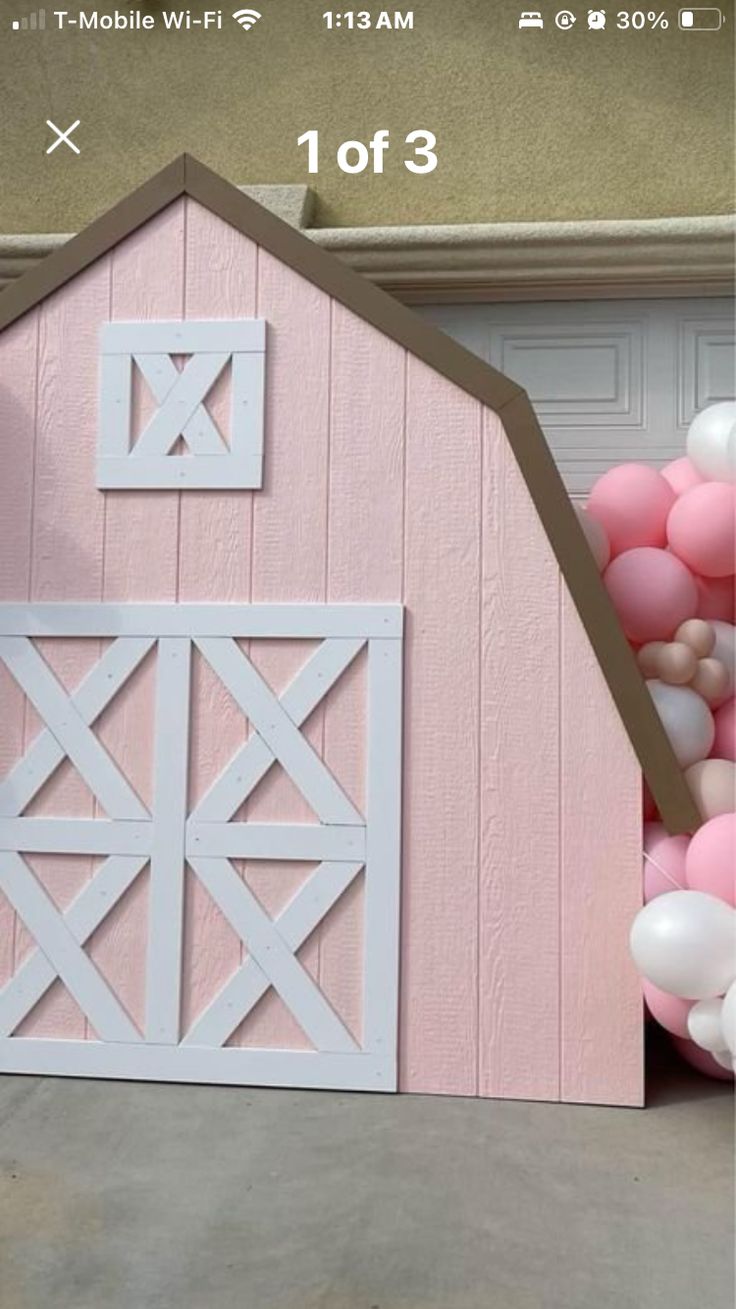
[[124, 1196]]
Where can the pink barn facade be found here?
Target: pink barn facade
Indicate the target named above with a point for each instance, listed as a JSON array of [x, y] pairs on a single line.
[[497, 956]]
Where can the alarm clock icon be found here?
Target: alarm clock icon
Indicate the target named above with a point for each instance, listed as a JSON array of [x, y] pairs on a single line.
[[596, 19]]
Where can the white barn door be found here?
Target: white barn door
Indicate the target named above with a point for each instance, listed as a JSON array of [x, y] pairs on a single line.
[[172, 835]]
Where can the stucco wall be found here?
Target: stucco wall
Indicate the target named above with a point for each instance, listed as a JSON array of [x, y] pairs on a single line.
[[531, 125]]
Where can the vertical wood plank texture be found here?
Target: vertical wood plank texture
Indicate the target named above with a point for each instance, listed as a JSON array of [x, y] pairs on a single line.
[[18, 363], [141, 550], [602, 1020], [439, 1000], [365, 562], [214, 564], [519, 788], [289, 558], [67, 562]]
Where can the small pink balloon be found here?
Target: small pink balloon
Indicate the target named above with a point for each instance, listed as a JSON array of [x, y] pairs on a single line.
[[596, 537], [716, 598], [701, 529], [712, 784], [669, 1010], [710, 862], [701, 1060], [652, 592], [631, 502], [724, 744], [664, 861], [682, 475]]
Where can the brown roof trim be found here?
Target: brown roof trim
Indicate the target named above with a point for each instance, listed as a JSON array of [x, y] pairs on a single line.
[[186, 176]]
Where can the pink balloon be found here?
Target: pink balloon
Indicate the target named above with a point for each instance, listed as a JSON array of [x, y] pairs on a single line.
[[701, 1060], [682, 475], [724, 744], [631, 502], [669, 1010], [664, 861], [701, 529], [716, 597], [710, 863], [652, 592]]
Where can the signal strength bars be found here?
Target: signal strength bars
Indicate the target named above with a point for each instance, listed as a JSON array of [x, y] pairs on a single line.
[[35, 22]]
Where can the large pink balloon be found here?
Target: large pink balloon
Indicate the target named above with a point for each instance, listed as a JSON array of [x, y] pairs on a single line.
[[701, 529], [716, 597], [652, 592], [631, 502], [701, 1059], [664, 861], [710, 863], [670, 1011], [682, 475], [724, 743]]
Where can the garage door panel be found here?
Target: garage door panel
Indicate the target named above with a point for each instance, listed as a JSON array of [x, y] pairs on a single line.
[[611, 380]]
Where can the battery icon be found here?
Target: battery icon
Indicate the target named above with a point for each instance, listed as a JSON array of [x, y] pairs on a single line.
[[700, 20]]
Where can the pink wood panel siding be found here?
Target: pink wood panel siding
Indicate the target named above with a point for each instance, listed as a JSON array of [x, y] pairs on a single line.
[[383, 482], [140, 563], [601, 843], [66, 564], [289, 560], [214, 563], [519, 788], [439, 986], [365, 562], [18, 367]]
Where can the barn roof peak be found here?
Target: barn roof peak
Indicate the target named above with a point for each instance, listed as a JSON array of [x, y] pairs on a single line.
[[186, 176]]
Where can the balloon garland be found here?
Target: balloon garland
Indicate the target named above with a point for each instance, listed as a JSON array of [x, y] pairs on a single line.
[[665, 543]]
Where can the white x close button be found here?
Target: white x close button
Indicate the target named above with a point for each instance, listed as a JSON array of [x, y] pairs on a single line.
[[63, 136]]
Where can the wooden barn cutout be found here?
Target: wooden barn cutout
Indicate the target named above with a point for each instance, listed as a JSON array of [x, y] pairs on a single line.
[[401, 476], [144, 461]]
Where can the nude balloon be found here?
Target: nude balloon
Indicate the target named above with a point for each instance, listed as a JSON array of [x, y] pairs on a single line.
[[710, 680], [724, 650], [698, 634], [711, 442], [631, 502], [652, 591], [710, 859], [701, 529], [677, 663], [712, 784], [724, 741]]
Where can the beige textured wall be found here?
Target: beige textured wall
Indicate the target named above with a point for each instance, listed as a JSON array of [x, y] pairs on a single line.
[[531, 125]]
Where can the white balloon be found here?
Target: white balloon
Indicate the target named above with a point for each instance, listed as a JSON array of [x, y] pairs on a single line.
[[728, 1018], [704, 1025], [687, 721], [725, 650], [684, 942], [711, 442], [725, 1059]]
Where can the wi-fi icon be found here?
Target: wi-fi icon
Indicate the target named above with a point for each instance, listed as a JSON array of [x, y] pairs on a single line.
[[247, 18]]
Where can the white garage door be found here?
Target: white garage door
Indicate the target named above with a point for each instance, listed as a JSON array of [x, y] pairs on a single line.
[[610, 379]]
